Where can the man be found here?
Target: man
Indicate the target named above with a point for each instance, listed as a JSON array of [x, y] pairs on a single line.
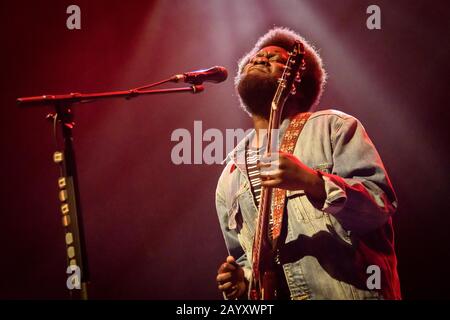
[[337, 239]]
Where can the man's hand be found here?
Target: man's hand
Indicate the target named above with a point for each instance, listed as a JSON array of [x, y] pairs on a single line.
[[289, 173], [230, 279]]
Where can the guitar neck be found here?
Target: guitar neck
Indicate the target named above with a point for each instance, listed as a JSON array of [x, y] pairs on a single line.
[[263, 246]]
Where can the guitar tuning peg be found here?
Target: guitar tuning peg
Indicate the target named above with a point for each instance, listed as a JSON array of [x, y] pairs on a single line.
[[303, 65], [293, 90]]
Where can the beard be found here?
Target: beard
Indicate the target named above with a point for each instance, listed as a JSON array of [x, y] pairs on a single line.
[[257, 91]]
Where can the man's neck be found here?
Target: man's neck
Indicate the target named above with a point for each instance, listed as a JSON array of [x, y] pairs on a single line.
[[260, 124]]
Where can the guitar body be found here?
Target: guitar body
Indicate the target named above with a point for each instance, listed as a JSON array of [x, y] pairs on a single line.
[[268, 291]]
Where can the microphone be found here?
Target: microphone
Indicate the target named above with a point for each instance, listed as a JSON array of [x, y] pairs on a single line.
[[215, 74]]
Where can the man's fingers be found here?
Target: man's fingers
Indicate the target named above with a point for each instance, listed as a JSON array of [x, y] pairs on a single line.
[[233, 263], [226, 267], [230, 259], [271, 175], [263, 165], [226, 286], [223, 277], [272, 172], [232, 294], [271, 164], [271, 183]]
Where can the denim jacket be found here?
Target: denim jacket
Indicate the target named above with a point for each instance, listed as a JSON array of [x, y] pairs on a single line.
[[328, 247]]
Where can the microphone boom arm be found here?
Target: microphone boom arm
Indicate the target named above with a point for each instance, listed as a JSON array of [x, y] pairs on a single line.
[[89, 97]]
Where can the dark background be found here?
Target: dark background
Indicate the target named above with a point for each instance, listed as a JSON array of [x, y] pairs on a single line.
[[151, 226]]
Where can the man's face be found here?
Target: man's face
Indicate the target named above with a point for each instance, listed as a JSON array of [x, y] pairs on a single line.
[[259, 79], [268, 62]]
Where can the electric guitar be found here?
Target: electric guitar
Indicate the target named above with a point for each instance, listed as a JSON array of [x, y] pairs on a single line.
[[264, 284]]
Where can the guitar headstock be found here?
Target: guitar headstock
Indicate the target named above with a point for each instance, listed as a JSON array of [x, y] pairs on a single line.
[[294, 67]]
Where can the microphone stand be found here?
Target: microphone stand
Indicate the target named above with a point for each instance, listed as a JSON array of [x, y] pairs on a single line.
[[69, 195]]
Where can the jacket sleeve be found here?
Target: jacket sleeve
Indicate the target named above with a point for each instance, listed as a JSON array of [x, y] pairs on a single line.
[[359, 193], [226, 207]]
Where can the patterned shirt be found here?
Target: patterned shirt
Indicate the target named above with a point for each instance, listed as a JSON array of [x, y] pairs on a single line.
[[252, 158]]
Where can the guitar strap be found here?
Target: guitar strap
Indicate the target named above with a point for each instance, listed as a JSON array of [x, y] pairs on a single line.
[[279, 195]]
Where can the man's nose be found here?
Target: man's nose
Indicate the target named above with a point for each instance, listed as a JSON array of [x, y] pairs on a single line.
[[261, 60]]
